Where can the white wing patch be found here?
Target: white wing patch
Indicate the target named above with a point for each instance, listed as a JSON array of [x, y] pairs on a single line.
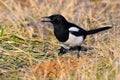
[[74, 29], [73, 40]]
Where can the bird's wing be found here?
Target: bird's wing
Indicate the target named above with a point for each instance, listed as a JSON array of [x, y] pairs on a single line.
[[77, 31]]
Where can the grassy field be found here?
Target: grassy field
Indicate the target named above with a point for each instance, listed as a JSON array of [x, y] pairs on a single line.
[[28, 48]]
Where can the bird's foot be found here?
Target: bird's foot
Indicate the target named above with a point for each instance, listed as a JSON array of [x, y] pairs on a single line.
[[78, 55], [62, 51]]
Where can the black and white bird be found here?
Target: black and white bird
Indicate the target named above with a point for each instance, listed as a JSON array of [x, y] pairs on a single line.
[[68, 34]]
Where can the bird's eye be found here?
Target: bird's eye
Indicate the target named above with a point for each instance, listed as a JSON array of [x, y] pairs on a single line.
[[57, 21]]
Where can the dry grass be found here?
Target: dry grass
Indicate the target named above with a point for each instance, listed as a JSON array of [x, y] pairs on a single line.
[[28, 48]]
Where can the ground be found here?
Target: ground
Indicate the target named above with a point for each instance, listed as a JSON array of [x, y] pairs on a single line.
[[28, 47]]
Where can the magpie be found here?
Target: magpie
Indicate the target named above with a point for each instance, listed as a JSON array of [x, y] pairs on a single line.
[[69, 34]]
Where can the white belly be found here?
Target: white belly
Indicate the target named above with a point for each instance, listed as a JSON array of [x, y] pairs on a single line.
[[72, 41]]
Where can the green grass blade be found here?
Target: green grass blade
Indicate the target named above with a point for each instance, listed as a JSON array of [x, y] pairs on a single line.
[[1, 32]]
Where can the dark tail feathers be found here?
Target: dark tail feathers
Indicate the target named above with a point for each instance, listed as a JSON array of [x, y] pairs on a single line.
[[98, 30]]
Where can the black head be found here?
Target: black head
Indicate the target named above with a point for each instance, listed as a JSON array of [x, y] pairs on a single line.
[[55, 19]]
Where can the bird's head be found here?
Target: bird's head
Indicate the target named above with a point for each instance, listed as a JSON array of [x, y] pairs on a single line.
[[54, 19]]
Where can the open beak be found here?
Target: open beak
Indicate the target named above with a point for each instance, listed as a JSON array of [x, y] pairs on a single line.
[[46, 19]]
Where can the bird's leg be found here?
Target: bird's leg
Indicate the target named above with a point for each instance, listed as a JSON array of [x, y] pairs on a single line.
[[78, 54], [62, 51], [73, 48], [83, 48]]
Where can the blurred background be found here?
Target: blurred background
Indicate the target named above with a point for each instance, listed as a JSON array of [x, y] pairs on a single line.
[[84, 13]]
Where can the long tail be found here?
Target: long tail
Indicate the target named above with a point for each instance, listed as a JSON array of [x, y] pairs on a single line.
[[97, 30]]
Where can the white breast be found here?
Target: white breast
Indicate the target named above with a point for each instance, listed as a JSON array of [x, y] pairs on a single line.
[[74, 40]]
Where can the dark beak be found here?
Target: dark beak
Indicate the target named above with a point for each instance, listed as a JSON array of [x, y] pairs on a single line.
[[46, 19]]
